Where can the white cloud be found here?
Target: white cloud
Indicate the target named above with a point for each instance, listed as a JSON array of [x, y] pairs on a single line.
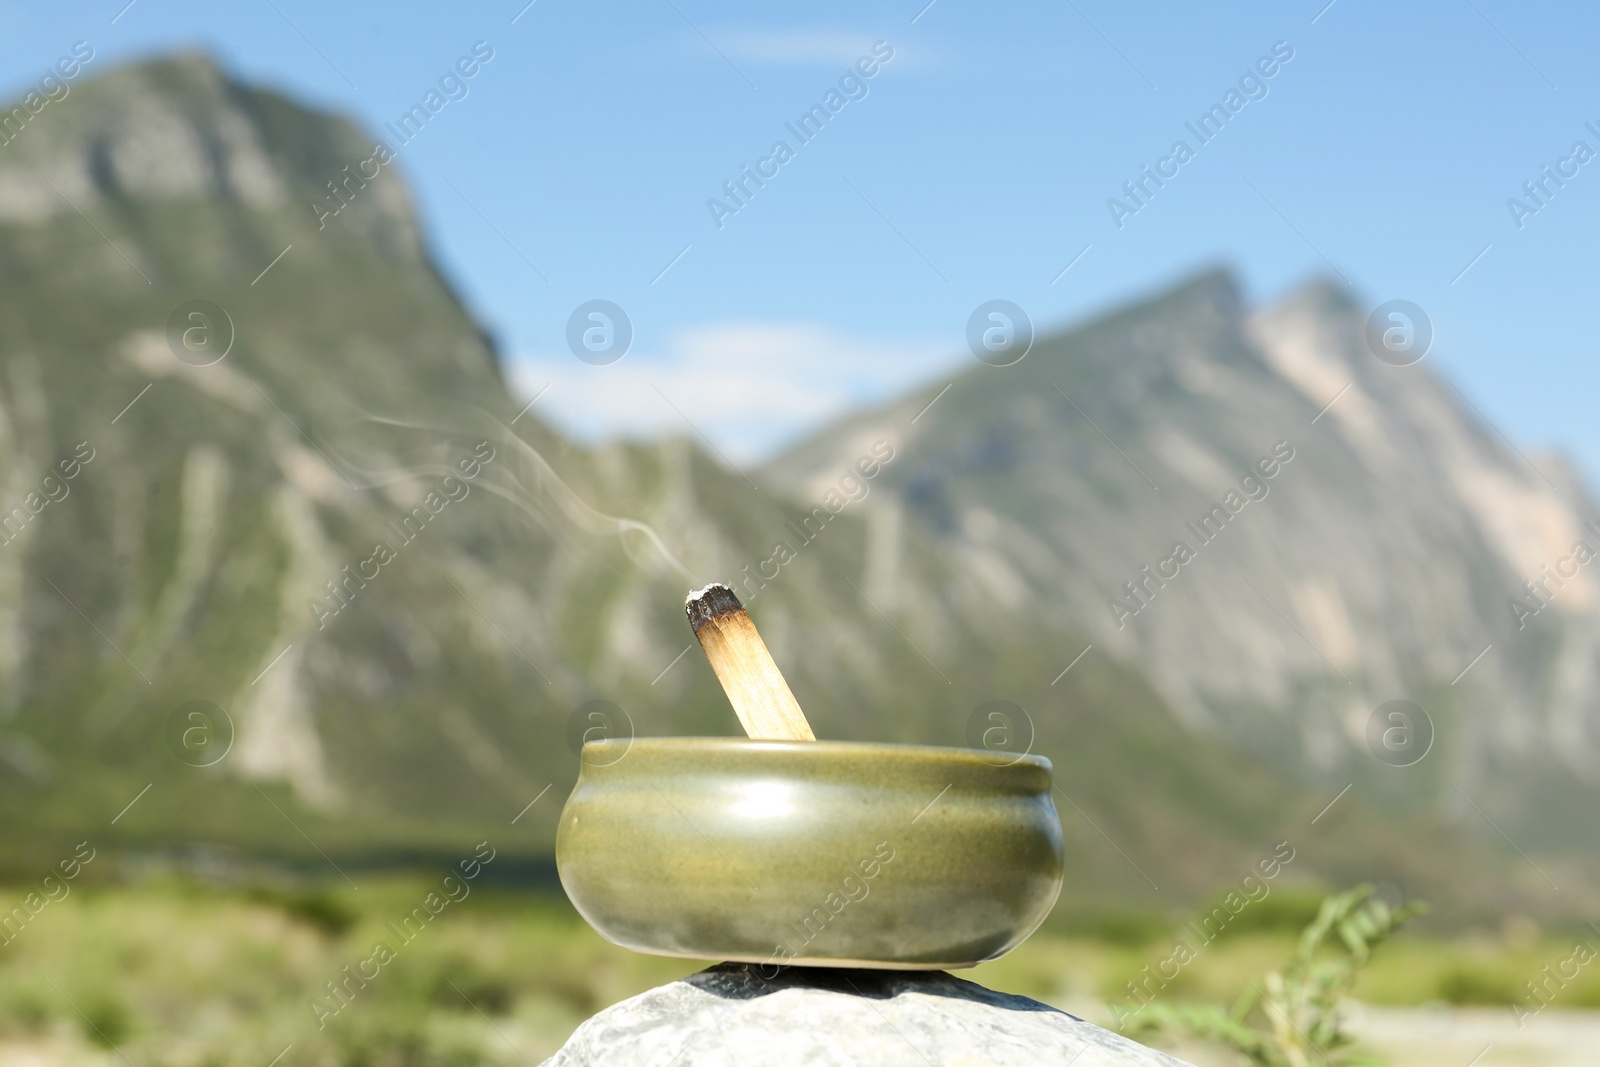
[[751, 387], [796, 47], [815, 47]]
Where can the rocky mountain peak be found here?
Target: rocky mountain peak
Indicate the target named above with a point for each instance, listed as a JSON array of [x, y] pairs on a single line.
[[180, 129]]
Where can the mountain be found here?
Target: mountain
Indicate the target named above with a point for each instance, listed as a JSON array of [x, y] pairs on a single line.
[[1352, 532], [242, 523], [288, 574]]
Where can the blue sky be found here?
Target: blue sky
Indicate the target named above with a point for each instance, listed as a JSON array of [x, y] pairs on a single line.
[[977, 165]]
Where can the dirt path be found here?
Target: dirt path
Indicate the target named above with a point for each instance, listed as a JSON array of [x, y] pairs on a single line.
[[1451, 1037], [1445, 1037]]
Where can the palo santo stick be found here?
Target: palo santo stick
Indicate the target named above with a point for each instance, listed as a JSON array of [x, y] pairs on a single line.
[[761, 698]]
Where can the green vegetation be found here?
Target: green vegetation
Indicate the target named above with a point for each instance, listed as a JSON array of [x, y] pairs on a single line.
[[176, 973], [1294, 1011]]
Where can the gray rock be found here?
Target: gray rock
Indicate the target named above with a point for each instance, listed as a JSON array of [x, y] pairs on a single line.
[[731, 1016]]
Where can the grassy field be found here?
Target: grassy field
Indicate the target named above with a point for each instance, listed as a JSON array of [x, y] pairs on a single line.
[[176, 973]]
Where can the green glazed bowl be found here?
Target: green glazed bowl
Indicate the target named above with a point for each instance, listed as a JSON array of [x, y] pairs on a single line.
[[814, 853]]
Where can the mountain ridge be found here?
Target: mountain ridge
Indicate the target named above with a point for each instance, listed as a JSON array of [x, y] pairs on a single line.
[[1378, 439]]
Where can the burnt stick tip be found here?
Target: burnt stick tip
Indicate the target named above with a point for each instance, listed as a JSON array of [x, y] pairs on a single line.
[[713, 602]]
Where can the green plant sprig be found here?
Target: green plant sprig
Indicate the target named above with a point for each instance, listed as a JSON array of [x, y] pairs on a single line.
[[1292, 1017]]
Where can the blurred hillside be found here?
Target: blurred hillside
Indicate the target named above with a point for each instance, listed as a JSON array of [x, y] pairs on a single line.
[[425, 702]]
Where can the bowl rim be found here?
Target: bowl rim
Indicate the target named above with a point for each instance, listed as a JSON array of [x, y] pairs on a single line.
[[949, 755]]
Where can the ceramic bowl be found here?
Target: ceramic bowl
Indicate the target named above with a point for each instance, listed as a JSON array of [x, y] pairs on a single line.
[[815, 853]]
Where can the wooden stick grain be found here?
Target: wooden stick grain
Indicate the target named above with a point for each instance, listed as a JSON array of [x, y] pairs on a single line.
[[761, 698]]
